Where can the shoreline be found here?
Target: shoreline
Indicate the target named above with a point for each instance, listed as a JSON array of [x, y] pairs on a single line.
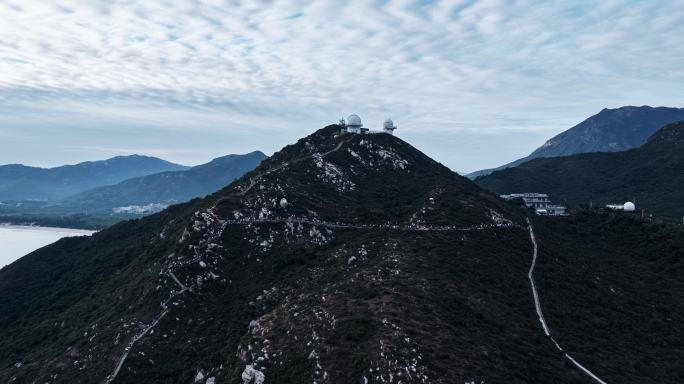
[[85, 232]]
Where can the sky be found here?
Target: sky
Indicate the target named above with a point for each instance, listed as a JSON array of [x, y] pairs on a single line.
[[472, 83]]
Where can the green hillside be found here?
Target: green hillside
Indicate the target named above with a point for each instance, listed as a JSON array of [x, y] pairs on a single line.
[[651, 176], [611, 130], [344, 259]]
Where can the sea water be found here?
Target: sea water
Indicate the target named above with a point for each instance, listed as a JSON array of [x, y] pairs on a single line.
[[17, 241]]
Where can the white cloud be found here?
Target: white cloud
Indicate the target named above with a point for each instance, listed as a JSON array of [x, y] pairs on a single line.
[[443, 67]]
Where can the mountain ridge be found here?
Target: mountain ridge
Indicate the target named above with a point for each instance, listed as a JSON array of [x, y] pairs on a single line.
[[649, 175], [168, 187], [340, 259], [610, 130], [102, 206], [20, 182]]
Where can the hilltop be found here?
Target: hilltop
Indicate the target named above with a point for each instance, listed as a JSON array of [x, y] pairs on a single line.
[[341, 259], [611, 130], [650, 175]]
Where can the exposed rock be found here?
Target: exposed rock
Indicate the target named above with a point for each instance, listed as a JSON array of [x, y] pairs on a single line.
[[252, 376]]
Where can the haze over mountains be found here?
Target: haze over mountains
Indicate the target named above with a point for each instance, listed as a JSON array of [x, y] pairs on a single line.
[[651, 175], [611, 130], [348, 259], [103, 204], [167, 187], [20, 182]]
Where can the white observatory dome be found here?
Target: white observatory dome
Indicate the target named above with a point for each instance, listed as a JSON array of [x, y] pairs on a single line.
[[388, 124], [629, 207], [354, 121]]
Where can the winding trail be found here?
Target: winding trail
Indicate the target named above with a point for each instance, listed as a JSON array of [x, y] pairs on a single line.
[[183, 288], [255, 179], [337, 225], [130, 345], [540, 314], [137, 337], [164, 306]]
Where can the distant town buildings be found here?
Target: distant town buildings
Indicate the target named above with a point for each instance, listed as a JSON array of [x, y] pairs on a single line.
[[353, 124], [539, 202]]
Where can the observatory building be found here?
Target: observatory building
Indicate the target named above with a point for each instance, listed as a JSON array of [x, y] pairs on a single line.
[[627, 207], [388, 126], [353, 124]]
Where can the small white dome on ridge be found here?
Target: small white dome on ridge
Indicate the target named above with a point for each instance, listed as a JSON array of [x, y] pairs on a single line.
[[354, 121], [629, 207], [388, 124]]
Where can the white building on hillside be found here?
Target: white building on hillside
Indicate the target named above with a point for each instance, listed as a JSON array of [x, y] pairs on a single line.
[[539, 202], [388, 126], [627, 207]]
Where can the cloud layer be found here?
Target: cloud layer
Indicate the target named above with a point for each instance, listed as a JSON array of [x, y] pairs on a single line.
[[449, 69]]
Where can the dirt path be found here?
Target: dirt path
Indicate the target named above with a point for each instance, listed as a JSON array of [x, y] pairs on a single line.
[[394, 227], [255, 179], [540, 314], [130, 345]]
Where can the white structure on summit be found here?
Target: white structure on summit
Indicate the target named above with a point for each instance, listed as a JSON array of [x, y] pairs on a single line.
[[388, 126], [627, 207], [353, 124]]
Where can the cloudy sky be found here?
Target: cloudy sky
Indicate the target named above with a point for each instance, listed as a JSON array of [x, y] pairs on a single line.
[[473, 83]]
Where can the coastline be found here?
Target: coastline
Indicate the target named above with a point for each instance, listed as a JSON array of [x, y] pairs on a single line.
[[85, 232], [17, 241]]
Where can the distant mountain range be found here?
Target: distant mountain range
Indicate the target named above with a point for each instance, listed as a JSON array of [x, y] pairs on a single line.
[[100, 195], [167, 187], [20, 182], [611, 130], [652, 174], [350, 259]]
